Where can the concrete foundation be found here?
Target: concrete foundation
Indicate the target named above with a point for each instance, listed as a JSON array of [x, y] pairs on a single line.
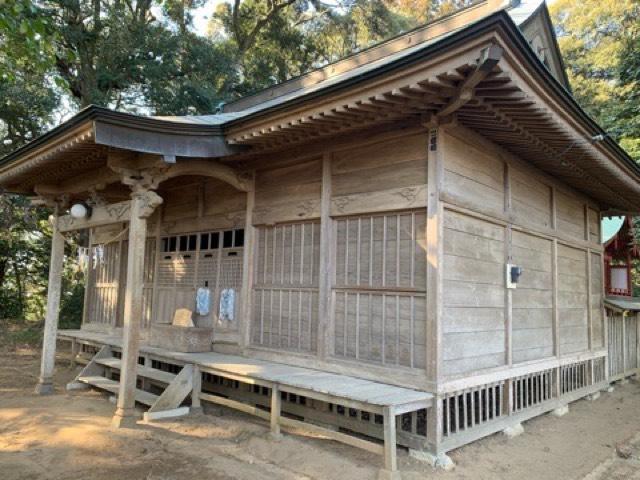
[[44, 388], [514, 430], [593, 397], [560, 411], [125, 418], [442, 461]]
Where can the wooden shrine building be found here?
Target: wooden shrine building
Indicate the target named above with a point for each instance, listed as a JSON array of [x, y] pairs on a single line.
[[402, 246], [622, 307]]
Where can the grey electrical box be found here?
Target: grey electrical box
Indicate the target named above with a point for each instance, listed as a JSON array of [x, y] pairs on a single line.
[[513, 273]]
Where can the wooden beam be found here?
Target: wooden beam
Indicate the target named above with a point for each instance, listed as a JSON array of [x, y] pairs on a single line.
[[104, 215], [207, 168], [489, 58], [97, 179]]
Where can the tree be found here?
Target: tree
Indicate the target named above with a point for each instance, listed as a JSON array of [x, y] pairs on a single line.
[[274, 40], [596, 38], [27, 97], [627, 122]]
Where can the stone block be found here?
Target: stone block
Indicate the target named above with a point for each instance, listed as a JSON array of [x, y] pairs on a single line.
[[514, 430], [442, 461], [560, 411], [181, 339]]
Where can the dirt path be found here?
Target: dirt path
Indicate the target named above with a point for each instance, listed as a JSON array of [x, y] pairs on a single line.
[[67, 436]]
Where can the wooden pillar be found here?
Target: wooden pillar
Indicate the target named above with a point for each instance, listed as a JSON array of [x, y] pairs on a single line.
[[248, 263], [197, 388], [143, 203], [624, 342], [276, 407], [434, 252], [325, 309], [589, 300], [45, 382], [88, 283], [390, 454]]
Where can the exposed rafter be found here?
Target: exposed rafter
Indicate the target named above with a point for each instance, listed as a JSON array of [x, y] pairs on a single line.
[[466, 90]]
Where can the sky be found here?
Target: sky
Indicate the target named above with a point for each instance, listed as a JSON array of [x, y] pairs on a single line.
[[202, 15]]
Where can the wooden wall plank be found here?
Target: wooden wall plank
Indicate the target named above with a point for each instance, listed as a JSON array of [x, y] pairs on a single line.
[[473, 320]]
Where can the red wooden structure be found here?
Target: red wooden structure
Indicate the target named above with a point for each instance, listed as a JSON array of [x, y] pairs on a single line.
[[619, 251]]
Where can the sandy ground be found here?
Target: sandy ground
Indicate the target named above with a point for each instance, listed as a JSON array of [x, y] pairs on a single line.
[[67, 436]]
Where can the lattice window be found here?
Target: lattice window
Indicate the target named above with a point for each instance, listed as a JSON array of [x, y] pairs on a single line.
[[286, 286], [206, 259], [380, 289]]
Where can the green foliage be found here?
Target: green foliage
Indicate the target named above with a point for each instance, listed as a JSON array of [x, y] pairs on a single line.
[[27, 100], [24, 247], [271, 41], [599, 40]]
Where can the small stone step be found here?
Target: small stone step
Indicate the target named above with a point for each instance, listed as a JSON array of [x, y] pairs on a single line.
[[112, 386], [146, 372]]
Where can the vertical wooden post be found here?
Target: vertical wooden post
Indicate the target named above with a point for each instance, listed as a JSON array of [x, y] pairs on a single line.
[[45, 382], [248, 265], [390, 454], [197, 387], [75, 349], [589, 297], [156, 268], [554, 298], [143, 202], [325, 327], [605, 317], [434, 253], [625, 342], [508, 259], [276, 407], [88, 283], [637, 345]]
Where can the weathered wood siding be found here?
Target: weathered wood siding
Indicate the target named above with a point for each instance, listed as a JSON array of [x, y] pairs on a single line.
[[572, 300], [498, 211], [623, 343], [597, 298], [533, 299], [473, 315], [290, 193], [380, 177]]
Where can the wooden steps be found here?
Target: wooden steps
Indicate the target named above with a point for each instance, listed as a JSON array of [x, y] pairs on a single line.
[[145, 372], [176, 387], [145, 398]]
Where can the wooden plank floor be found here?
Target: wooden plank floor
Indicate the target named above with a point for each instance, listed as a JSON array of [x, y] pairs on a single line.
[[352, 388]]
